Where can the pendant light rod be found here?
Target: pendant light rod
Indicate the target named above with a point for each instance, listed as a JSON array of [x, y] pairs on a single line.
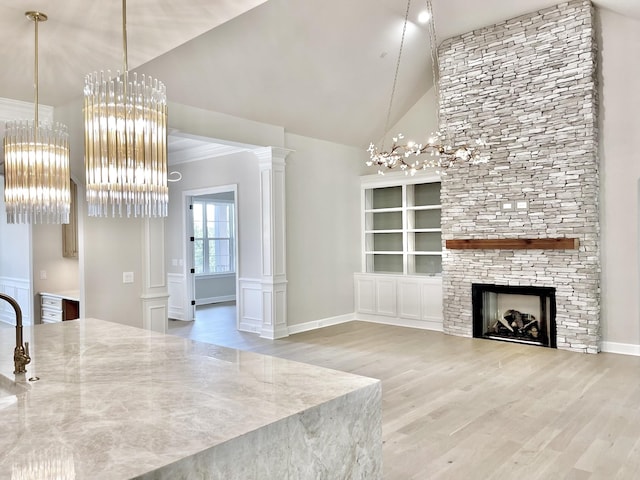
[[395, 78], [36, 17], [124, 35]]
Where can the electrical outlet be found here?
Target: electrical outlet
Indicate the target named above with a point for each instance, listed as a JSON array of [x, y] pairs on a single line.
[[43, 274], [127, 277]]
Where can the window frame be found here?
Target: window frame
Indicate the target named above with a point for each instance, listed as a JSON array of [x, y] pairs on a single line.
[[231, 239]]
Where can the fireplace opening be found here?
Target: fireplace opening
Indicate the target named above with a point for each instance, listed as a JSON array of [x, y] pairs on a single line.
[[514, 314]]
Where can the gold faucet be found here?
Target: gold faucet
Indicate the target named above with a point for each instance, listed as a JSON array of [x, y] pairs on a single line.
[[21, 353]]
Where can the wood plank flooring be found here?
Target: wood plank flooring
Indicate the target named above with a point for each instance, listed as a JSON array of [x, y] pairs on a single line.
[[460, 408]]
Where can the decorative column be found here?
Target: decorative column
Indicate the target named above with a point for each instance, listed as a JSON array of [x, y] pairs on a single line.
[[154, 293], [273, 230]]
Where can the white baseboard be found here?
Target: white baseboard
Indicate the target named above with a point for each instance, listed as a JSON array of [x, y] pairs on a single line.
[[621, 348], [434, 325], [323, 322], [210, 300]]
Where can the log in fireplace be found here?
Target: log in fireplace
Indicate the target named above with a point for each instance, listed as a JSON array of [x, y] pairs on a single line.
[[519, 314]]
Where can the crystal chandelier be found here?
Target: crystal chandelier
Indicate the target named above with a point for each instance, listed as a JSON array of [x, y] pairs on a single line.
[[36, 163], [437, 152], [125, 142]]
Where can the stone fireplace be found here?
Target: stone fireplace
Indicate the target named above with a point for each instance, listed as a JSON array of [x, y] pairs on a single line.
[[514, 314], [528, 87]]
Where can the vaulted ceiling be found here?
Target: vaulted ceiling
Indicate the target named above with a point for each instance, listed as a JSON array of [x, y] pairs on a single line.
[[320, 68]]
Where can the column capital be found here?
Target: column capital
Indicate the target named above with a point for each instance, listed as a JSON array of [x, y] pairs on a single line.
[[271, 155]]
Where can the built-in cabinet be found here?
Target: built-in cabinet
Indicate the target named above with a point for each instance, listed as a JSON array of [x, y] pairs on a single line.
[[413, 301], [401, 227], [401, 282]]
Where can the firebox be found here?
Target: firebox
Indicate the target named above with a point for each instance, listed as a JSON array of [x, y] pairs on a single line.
[[514, 314]]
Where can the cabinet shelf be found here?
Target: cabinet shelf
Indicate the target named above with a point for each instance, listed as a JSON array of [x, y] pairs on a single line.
[[424, 207], [384, 252], [401, 225], [383, 210]]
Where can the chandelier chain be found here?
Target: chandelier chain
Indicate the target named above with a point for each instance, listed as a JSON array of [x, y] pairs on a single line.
[[395, 78], [435, 60], [438, 152]]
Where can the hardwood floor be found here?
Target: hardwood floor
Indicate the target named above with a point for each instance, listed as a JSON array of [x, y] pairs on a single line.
[[460, 408]]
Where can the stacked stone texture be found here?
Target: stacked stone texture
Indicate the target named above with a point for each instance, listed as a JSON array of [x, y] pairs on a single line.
[[528, 87]]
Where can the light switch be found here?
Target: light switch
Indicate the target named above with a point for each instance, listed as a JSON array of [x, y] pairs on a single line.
[[127, 277]]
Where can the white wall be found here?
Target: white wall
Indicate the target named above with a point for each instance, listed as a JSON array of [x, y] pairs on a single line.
[[323, 227], [113, 246], [620, 179]]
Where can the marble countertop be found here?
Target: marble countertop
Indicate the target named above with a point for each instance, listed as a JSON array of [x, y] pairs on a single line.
[[116, 402], [66, 294]]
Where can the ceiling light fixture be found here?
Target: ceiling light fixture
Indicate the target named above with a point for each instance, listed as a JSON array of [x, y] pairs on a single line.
[[437, 152], [125, 142], [424, 16], [36, 163]]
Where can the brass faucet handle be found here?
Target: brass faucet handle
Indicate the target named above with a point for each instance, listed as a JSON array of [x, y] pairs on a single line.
[[26, 352]]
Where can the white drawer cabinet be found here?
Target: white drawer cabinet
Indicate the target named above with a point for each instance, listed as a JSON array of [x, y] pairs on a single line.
[[58, 308], [51, 309]]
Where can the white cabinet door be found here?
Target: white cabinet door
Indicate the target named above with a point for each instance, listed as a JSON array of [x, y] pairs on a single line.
[[365, 294], [432, 301], [409, 299], [386, 296]]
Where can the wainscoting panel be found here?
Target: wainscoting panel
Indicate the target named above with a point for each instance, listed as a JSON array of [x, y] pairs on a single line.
[[17, 288], [178, 301], [250, 305]]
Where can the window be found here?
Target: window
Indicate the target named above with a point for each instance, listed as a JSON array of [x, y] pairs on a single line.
[[214, 237]]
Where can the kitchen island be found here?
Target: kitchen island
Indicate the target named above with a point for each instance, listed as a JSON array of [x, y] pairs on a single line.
[[118, 402]]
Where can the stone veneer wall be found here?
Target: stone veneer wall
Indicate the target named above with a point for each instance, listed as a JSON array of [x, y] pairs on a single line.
[[528, 86]]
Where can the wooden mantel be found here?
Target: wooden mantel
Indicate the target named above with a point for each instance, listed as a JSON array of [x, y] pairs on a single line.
[[514, 244]]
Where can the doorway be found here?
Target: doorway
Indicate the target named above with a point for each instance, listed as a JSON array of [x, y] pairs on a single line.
[[211, 246]]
